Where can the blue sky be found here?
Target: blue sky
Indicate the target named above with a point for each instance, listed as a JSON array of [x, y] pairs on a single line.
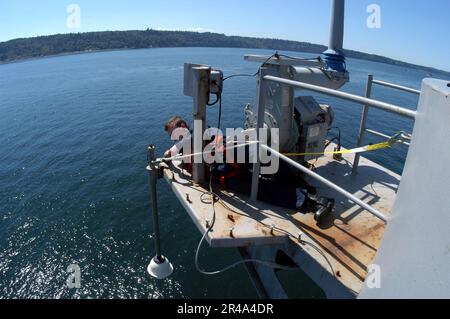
[[414, 31]]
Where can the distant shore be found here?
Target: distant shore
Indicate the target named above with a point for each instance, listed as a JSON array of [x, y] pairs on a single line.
[[60, 55], [27, 49]]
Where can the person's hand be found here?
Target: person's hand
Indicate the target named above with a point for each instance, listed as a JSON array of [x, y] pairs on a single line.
[[168, 154]]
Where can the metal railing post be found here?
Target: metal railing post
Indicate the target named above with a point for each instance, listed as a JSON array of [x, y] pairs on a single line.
[[363, 125], [201, 95], [159, 267], [153, 173], [260, 104]]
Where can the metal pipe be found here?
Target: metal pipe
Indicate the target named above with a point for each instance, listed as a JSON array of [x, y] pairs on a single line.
[[363, 125], [153, 173], [396, 86], [200, 97], [326, 182], [334, 56], [384, 136], [284, 61], [336, 42], [346, 96], [261, 111]]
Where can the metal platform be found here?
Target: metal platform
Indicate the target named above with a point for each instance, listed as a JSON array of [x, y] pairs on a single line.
[[343, 246]]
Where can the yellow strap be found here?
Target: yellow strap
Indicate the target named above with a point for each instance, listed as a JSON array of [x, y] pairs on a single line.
[[397, 138]]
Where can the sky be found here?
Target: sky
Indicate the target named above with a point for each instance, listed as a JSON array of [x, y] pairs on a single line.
[[412, 31]]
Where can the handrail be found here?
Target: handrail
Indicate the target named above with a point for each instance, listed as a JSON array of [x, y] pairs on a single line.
[[396, 86], [345, 96], [385, 136], [366, 101], [328, 183], [365, 114]]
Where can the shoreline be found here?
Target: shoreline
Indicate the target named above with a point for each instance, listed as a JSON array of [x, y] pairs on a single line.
[[429, 70], [62, 55], [28, 49]]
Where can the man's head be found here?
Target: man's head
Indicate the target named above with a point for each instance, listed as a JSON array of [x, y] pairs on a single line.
[[174, 123]]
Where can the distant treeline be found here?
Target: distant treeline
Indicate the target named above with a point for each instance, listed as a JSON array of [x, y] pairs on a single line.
[[20, 49]]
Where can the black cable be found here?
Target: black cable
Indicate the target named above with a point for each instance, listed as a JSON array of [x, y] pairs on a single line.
[[219, 121], [257, 72], [336, 138], [219, 95], [277, 55], [241, 262], [214, 195], [219, 100], [239, 75], [216, 101], [339, 136], [300, 59]]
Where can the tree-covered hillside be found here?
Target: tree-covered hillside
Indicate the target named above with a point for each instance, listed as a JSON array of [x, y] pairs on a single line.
[[20, 49]]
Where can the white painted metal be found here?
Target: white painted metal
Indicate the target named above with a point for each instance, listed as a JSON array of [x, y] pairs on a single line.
[[414, 256], [385, 136], [200, 94], [396, 86], [260, 104], [363, 125], [319, 77], [347, 245], [346, 96]]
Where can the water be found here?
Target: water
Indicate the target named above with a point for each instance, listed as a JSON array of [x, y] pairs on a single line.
[[74, 190]]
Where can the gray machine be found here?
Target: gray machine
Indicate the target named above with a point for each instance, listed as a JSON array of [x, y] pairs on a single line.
[[302, 122], [314, 122], [309, 126]]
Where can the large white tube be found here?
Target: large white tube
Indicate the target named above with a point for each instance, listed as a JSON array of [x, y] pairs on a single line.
[[337, 25]]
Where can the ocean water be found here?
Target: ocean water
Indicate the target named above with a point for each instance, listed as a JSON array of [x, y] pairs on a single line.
[[74, 190]]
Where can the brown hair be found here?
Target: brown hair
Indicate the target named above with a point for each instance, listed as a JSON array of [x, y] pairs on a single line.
[[174, 122]]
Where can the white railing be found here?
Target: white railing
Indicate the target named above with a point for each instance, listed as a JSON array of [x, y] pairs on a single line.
[[366, 101], [365, 114]]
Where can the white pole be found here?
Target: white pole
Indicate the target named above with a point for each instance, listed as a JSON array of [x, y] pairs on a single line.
[[260, 103], [201, 89], [337, 25], [363, 125]]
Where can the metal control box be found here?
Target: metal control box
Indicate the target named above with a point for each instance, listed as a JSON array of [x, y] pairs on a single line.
[[314, 121]]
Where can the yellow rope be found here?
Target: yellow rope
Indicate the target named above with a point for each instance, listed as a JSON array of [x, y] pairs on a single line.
[[397, 138]]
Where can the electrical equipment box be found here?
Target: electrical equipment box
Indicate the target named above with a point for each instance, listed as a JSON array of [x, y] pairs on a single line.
[[314, 121], [215, 79], [216, 85]]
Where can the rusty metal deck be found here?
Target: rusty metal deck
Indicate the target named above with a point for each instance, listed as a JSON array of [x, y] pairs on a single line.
[[347, 241]]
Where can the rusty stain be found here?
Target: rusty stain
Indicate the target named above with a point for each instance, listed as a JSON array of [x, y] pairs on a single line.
[[350, 243], [231, 218], [352, 248]]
